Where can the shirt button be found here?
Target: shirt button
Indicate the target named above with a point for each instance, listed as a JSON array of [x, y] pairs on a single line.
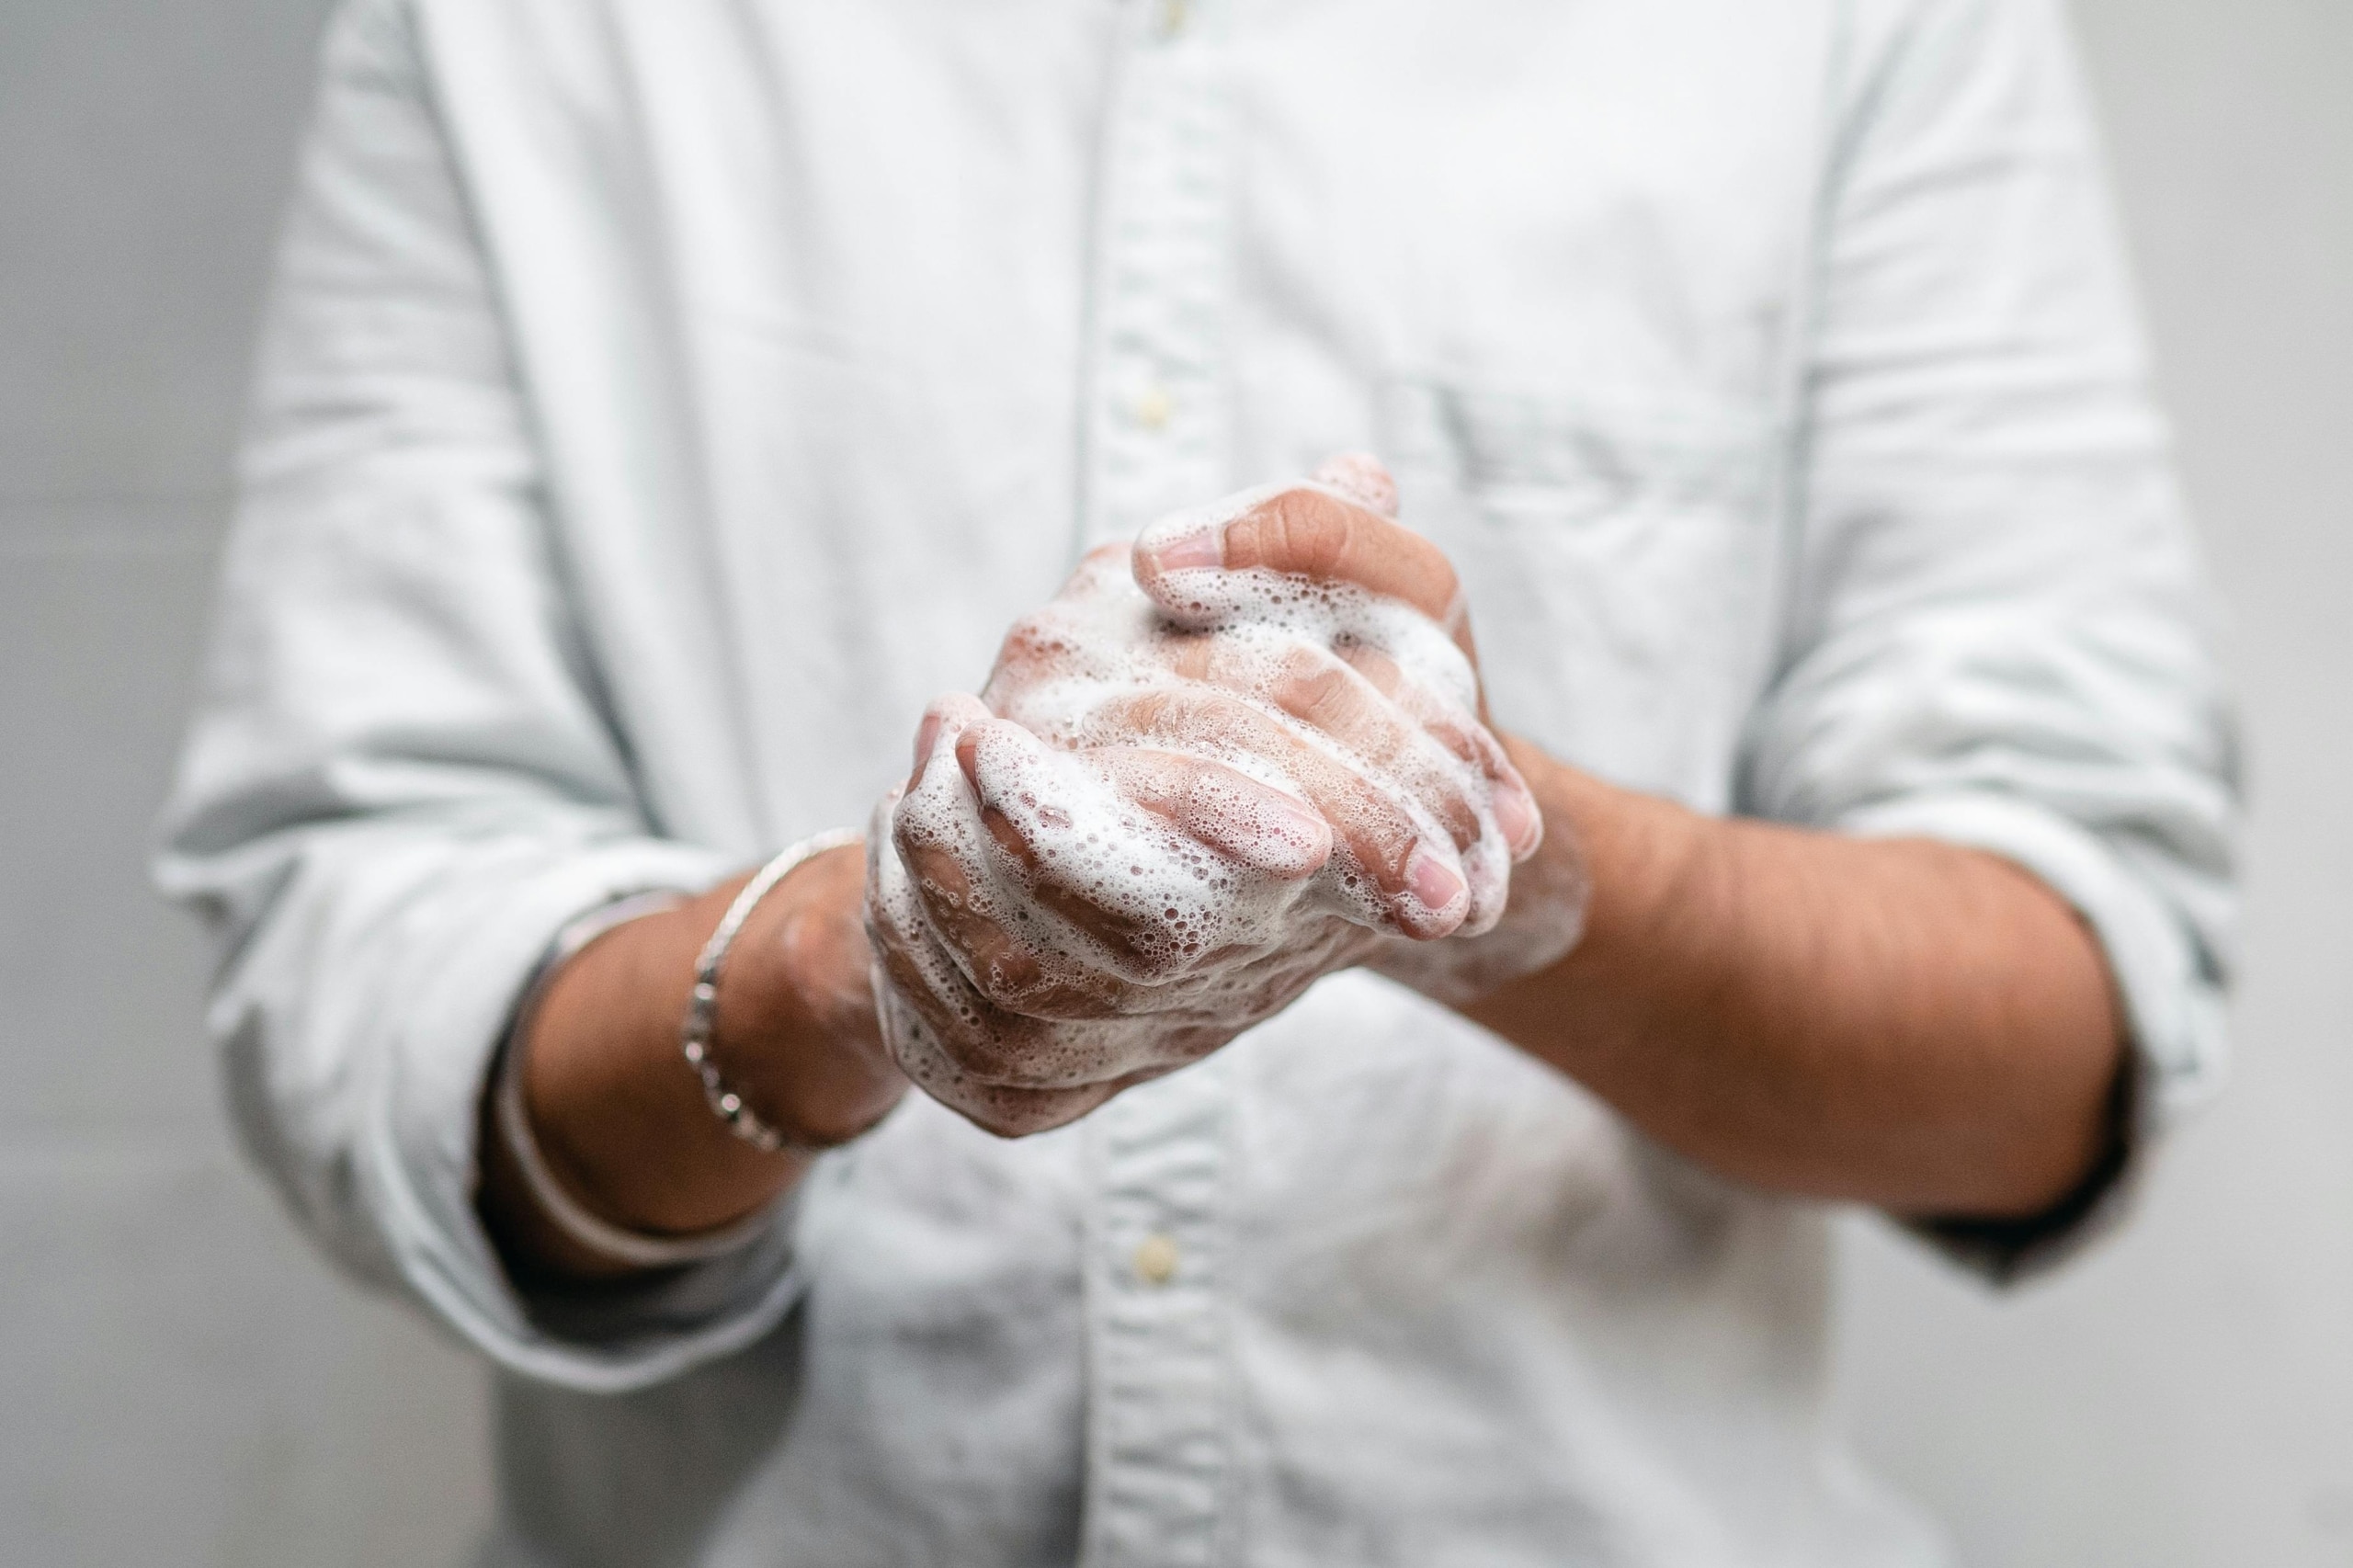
[[1152, 407], [1174, 15], [1156, 1260]]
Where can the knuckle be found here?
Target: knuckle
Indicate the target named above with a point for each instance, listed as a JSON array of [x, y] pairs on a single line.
[[998, 974], [1308, 532], [1007, 984], [1145, 714], [1457, 814], [940, 886], [1319, 693], [1305, 661], [1385, 837]]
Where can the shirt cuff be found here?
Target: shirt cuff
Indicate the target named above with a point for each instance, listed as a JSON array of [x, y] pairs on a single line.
[[419, 1154], [2172, 1012]]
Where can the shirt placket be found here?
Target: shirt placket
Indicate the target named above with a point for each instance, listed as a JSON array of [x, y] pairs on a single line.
[[1159, 437], [1157, 412], [1157, 1444]]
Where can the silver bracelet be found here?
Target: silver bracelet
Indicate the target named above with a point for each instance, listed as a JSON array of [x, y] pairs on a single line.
[[634, 1249], [702, 1010]]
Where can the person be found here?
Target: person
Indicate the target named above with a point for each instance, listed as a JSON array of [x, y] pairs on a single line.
[[1748, 742]]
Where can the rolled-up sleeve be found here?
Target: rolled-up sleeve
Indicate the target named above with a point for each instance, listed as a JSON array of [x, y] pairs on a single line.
[[402, 781], [1999, 635]]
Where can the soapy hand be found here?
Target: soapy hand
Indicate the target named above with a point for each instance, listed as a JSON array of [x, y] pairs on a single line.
[[1245, 752]]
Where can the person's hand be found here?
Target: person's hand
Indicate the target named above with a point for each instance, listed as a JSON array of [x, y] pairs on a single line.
[[1297, 532], [1052, 927], [1203, 777]]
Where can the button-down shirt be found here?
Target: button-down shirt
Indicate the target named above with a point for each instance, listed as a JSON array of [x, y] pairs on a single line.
[[663, 398]]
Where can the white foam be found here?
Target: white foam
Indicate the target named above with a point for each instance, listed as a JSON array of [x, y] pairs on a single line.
[[1203, 941]]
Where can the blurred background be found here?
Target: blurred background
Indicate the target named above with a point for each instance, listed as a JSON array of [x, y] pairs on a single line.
[[182, 1384]]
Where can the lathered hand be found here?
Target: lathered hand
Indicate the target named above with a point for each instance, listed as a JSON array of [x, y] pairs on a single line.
[[1215, 768]]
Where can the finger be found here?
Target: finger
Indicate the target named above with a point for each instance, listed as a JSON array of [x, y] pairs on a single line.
[[956, 1033], [1302, 687], [1007, 1110], [947, 718], [981, 1042], [1517, 813], [1251, 822], [1004, 963], [945, 836], [1415, 878], [1133, 881], [1303, 531], [1003, 766], [985, 1039], [1323, 691]]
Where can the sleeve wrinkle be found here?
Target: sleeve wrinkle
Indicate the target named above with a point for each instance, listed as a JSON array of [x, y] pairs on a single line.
[[403, 776], [1997, 635]]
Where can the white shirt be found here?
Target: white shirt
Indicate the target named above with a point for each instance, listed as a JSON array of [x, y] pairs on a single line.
[[663, 398]]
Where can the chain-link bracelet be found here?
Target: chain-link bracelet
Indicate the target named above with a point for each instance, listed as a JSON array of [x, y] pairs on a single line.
[[702, 1010]]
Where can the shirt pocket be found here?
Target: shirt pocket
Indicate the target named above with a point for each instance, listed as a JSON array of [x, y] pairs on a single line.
[[1619, 560]]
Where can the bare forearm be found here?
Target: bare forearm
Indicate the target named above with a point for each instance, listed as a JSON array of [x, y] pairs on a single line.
[[1909, 1023], [619, 1115]]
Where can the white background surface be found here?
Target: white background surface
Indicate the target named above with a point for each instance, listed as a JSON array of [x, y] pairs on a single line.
[[180, 1383]]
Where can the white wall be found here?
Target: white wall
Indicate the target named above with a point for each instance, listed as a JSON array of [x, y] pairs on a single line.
[[179, 1384]]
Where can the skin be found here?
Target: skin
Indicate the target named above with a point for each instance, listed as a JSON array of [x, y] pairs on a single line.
[[998, 1029], [1925, 1029]]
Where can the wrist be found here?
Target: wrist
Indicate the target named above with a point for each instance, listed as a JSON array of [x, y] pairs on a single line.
[[1645, 872], [1648, 862], [618, 1117], [797, 1031], [623, 1119], [1547, 915]]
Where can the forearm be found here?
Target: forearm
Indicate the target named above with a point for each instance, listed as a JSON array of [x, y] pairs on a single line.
[[618, 1114], [1913, 1025]]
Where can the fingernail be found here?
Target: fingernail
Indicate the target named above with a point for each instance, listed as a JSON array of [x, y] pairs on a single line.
[[1433, 881], [1189, 551], [1516, 815]]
